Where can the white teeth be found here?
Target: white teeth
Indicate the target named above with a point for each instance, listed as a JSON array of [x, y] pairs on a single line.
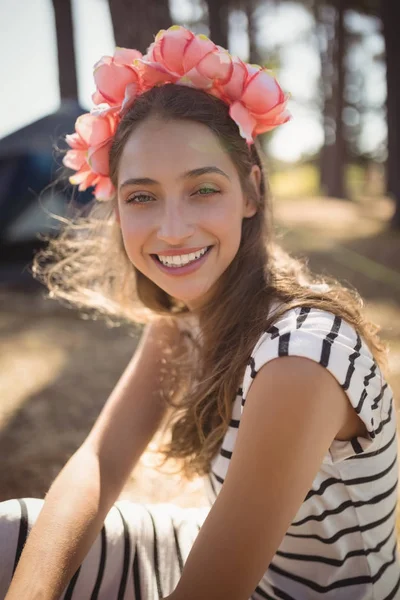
[[183, 259]]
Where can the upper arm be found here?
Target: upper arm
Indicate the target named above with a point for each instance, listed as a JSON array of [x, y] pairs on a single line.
[[135, 408], [282, 439]]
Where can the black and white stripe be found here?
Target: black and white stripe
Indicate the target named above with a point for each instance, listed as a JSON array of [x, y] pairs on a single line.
[[342, 543], [138, 555]]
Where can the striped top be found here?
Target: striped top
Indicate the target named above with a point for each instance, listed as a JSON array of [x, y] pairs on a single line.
[[342, 542]]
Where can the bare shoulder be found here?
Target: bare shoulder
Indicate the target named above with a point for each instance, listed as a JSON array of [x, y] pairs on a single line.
[[303, 387]]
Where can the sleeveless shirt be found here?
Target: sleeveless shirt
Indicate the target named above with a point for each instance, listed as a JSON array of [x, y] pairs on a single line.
[[342, 542]]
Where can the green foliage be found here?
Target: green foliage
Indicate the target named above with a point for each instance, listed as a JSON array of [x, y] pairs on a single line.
[[299, 180], [303, 180]]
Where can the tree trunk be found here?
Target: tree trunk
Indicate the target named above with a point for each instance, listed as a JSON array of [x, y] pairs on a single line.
[[390, 19], [325, 87], [136, 24], [218, 14], [65, 49], [336, 176], [332, 54], [254, 55]]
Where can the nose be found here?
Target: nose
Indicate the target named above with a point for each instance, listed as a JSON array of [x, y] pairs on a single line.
[[175, 227]]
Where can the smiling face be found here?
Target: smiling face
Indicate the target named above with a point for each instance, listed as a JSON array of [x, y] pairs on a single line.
[[180, 201]]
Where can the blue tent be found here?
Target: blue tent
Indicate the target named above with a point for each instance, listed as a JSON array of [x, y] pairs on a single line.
[[31, 184]]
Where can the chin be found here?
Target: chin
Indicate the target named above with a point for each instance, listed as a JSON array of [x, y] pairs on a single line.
[[194, 301], [189, 298]]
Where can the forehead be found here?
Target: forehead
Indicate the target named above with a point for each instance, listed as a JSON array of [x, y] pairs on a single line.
[[168, 147]]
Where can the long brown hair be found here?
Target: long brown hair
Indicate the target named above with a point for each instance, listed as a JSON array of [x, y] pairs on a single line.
[[87, 267]]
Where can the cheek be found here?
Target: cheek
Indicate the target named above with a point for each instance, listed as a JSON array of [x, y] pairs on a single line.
[[134, 232], [226, 222], [136, 224]]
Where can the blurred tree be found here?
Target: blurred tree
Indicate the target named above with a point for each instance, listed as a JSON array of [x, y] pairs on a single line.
[[250, 8], [390, 14], [218, 18], [65, 49], [335, 179], [218, 22], [136, 22], [359, 106], [332, 41]]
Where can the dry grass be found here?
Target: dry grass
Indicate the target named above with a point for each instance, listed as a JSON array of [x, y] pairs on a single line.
[[57, 370]]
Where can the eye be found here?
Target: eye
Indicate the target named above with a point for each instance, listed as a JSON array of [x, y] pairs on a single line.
[[138, 199], [207, 191]]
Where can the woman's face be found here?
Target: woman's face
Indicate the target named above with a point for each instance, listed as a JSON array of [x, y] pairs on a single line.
[[180, 206]]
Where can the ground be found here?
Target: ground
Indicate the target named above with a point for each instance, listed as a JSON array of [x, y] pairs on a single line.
[[57, 369]]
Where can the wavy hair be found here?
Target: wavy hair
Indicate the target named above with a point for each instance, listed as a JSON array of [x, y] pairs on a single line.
[[86, 267]]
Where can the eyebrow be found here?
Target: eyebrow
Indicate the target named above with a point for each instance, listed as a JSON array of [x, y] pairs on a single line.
[[186, 175]]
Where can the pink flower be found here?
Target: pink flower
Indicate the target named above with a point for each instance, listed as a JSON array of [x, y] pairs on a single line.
[[113, 74], [90, 147], [190, 59], [232, 89], [258, 102], [153, 73]]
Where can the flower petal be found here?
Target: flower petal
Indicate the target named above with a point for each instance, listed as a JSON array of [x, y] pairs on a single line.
[[82, 176], [131, 92], [75, 159], [111, 81], [94, 129], [153, 73], [98, 98], [268, 124], [104, 60], [233, 89], [262, 92], [197, 48], [75, 141], [196, 80], [83, 127], [110, 112], [172, 46], [244, 120], [274, 111], [104, 189], [87, 182], [153, 53], [98, 159], [216, 65], [126, 56]]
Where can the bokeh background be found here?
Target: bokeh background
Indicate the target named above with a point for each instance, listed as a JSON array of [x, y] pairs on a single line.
[[333, 170]]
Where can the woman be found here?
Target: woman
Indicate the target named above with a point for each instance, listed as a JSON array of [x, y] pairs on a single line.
[[268, 380]]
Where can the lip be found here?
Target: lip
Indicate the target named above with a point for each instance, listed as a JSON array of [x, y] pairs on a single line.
[[186, 269], [180, 251]]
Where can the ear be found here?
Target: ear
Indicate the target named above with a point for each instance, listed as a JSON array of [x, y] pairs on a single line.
[[250, 207]]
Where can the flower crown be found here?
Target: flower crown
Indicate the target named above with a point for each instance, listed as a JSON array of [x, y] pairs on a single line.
[[256, 101]]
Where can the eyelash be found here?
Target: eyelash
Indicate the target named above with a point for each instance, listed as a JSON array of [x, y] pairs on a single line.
[[131, 199]]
